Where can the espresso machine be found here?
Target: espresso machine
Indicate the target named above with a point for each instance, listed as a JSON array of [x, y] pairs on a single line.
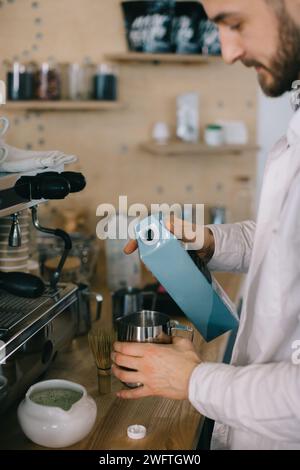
[[37, 320]]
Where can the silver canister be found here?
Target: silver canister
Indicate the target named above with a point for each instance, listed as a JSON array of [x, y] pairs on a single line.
[[148, 326]]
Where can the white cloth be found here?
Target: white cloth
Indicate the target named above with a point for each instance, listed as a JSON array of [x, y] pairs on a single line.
[[13, 160], [256, 399]]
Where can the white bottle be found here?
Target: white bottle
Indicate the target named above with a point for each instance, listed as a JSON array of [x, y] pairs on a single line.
[[188, 117], [214, 135], [161, 133]]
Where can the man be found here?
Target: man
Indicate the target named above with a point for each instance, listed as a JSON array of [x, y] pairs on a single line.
[[256, 398]]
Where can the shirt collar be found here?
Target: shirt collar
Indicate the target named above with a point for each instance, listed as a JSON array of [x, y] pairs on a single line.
[[293, 133]]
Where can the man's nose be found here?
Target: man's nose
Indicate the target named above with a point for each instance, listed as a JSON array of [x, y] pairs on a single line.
[[232, 49]]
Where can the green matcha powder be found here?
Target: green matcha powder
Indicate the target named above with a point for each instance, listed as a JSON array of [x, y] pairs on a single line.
[[60, 397]]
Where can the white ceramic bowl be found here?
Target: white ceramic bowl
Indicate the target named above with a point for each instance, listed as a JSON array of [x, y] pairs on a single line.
[[54, 427]]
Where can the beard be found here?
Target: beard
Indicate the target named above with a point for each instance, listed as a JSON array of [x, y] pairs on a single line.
[[285, 67]]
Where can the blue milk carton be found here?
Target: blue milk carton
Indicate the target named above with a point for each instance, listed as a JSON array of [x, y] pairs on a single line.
[[198, 294]]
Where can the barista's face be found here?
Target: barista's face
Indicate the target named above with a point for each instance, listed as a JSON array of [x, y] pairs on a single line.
[[261, 34]]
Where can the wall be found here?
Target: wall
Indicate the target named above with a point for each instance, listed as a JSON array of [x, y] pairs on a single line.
[[108, 142]]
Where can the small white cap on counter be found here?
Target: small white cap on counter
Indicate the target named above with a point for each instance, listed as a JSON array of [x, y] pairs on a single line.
[[136, 431]]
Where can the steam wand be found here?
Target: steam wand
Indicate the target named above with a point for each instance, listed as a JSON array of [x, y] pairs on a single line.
[[57, 233], [15, 237]]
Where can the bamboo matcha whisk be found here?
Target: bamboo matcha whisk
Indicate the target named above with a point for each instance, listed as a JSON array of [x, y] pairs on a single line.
[[101, 342]]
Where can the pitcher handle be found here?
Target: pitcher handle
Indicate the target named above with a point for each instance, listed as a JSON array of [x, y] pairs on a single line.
[[183, 330]]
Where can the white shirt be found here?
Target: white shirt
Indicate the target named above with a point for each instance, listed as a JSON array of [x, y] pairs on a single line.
[[256, 399]]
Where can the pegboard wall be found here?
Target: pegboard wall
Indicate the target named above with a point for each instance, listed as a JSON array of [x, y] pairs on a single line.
[[107, 143]]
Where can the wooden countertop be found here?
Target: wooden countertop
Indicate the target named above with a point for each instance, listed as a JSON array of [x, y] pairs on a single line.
[[171, 425]]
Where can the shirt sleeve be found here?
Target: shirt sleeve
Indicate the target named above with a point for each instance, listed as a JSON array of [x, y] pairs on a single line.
[[262, 398], [233, 246]]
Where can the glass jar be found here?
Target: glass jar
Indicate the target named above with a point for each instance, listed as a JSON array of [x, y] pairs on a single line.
[[105, 83], [79, 81], [20, 82], [48, 82]]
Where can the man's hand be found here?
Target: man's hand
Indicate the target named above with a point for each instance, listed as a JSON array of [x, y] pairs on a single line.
[[180, 227], [163, 369]]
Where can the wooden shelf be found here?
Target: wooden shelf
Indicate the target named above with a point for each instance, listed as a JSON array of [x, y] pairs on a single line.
[[200, 149], [63, 105], [192, 59]]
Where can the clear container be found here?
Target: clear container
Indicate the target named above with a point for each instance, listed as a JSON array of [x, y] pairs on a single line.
[[105, 83], [78, 81], [48, 82], [85, 249], [122, 270], [20, 82]]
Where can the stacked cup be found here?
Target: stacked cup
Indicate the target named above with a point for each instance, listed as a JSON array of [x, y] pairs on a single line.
[[14, 259], [4, 125]]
